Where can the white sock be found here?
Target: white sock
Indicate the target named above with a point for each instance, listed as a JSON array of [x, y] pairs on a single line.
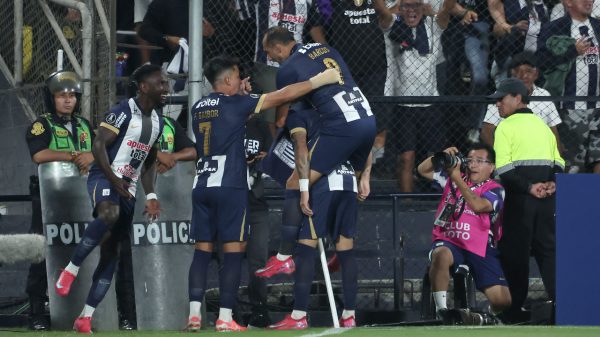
[[347, 314], [71, 268], [225, 314], [282, 257], [195, 309], [439, 297], [87, 311], [298, 314]]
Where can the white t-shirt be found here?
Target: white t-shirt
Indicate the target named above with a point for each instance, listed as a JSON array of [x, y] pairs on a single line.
[[544, 109]]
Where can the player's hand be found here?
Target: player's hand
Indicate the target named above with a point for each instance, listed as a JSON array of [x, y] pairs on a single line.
[[83, 160], [121, 186], [152, 210], [364, 188], [245, 86], [166, 159], [304, 205]]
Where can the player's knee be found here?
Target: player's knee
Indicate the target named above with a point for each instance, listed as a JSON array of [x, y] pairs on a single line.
[[108, 213], [344, 243]]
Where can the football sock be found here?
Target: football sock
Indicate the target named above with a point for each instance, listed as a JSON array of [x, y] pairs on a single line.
[[305, 270], [91, 237], [101, 281], [349, 277], [229, 278], [291, 222], [197, 276]]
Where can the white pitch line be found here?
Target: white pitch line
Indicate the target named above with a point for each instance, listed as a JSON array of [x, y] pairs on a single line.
[[332, 331]]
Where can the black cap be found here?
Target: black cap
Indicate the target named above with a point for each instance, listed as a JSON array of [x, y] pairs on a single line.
[[510, 86], [525, 57]]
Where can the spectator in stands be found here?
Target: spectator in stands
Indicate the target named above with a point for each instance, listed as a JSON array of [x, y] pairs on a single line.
[[569, 58], [467, 225], [417, 43], [258, 141], [112, 184], [297, 16], [140, 8], [517, 26], [475, 27], [558, 11], [523, 66], [58, 135], [527, 158]]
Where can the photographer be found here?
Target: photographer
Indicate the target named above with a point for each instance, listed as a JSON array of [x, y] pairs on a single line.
[[466, 226]]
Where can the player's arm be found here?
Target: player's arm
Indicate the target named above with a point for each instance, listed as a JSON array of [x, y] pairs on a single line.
[[364, 186], [298, 136], [294, 91], [105, 138], [148, 177]]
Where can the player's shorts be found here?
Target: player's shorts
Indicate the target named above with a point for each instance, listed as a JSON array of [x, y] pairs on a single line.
[[100, 189], [334, 214], [346, 142], [486, 271], [219, 211]]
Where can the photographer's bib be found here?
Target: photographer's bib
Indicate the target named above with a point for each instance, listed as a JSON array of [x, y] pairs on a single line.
[[457, 223]]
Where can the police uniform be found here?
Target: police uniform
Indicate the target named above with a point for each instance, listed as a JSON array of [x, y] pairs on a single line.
[[173, 138], [220, 189], [52, 132], [347, 123], [526, 153]]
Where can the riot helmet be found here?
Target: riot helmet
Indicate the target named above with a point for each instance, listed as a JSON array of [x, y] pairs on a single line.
[[62, 81]]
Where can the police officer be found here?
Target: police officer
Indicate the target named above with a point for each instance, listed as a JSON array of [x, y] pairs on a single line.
[[526, 159], [58, 135], [174, 146]]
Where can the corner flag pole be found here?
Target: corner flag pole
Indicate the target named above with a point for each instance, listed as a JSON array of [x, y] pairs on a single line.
[[334, 315]]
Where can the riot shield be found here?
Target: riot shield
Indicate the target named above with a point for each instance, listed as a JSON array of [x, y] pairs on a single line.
[[162, 252], [66, 212]]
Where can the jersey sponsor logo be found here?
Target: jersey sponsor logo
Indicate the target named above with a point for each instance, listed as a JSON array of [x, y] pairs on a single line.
[[291, 18], [111, 118], [208, 102], [120, 120], [128, 171], [345, 170], [290, 26], [160, 233], [64, 233], [37, 129], [138, 146], [115, 121], [138, 155], [252, 146], [209, 166]]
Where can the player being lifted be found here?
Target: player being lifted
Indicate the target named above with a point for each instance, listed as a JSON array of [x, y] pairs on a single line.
[[221, 187]]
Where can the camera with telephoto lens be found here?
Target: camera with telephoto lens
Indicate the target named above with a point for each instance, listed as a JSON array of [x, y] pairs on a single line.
[[444, 161]]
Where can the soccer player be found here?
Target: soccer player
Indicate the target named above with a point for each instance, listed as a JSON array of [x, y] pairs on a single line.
[[126, 140], [334, 199], [220, 187], [347, 123]]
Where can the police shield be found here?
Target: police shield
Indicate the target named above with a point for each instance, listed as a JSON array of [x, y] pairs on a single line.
[[162, 252], [66, 212]]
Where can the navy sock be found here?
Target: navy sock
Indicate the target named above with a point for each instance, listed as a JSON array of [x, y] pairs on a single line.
[[349, 277], [303, 277], [91, 237], [229, 279], [101, 281], [197, 275], [291, 222]]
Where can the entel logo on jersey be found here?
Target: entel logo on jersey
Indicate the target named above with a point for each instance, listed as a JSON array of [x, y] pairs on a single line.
[[207, 102]]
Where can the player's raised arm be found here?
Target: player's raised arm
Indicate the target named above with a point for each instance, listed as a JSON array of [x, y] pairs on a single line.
[[294, 91]]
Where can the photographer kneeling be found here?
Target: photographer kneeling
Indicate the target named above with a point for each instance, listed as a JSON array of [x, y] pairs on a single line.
[[467, 225]]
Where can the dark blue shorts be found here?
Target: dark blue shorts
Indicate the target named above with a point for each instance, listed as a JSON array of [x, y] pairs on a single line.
[[486, 270], [346, 142], [219, 211], [100, 189], [335, 214]]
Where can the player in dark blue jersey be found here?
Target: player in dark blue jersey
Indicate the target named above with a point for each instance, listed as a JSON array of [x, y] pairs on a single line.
[[125, 141], [335, 204], [221, 185], [347, 123]]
